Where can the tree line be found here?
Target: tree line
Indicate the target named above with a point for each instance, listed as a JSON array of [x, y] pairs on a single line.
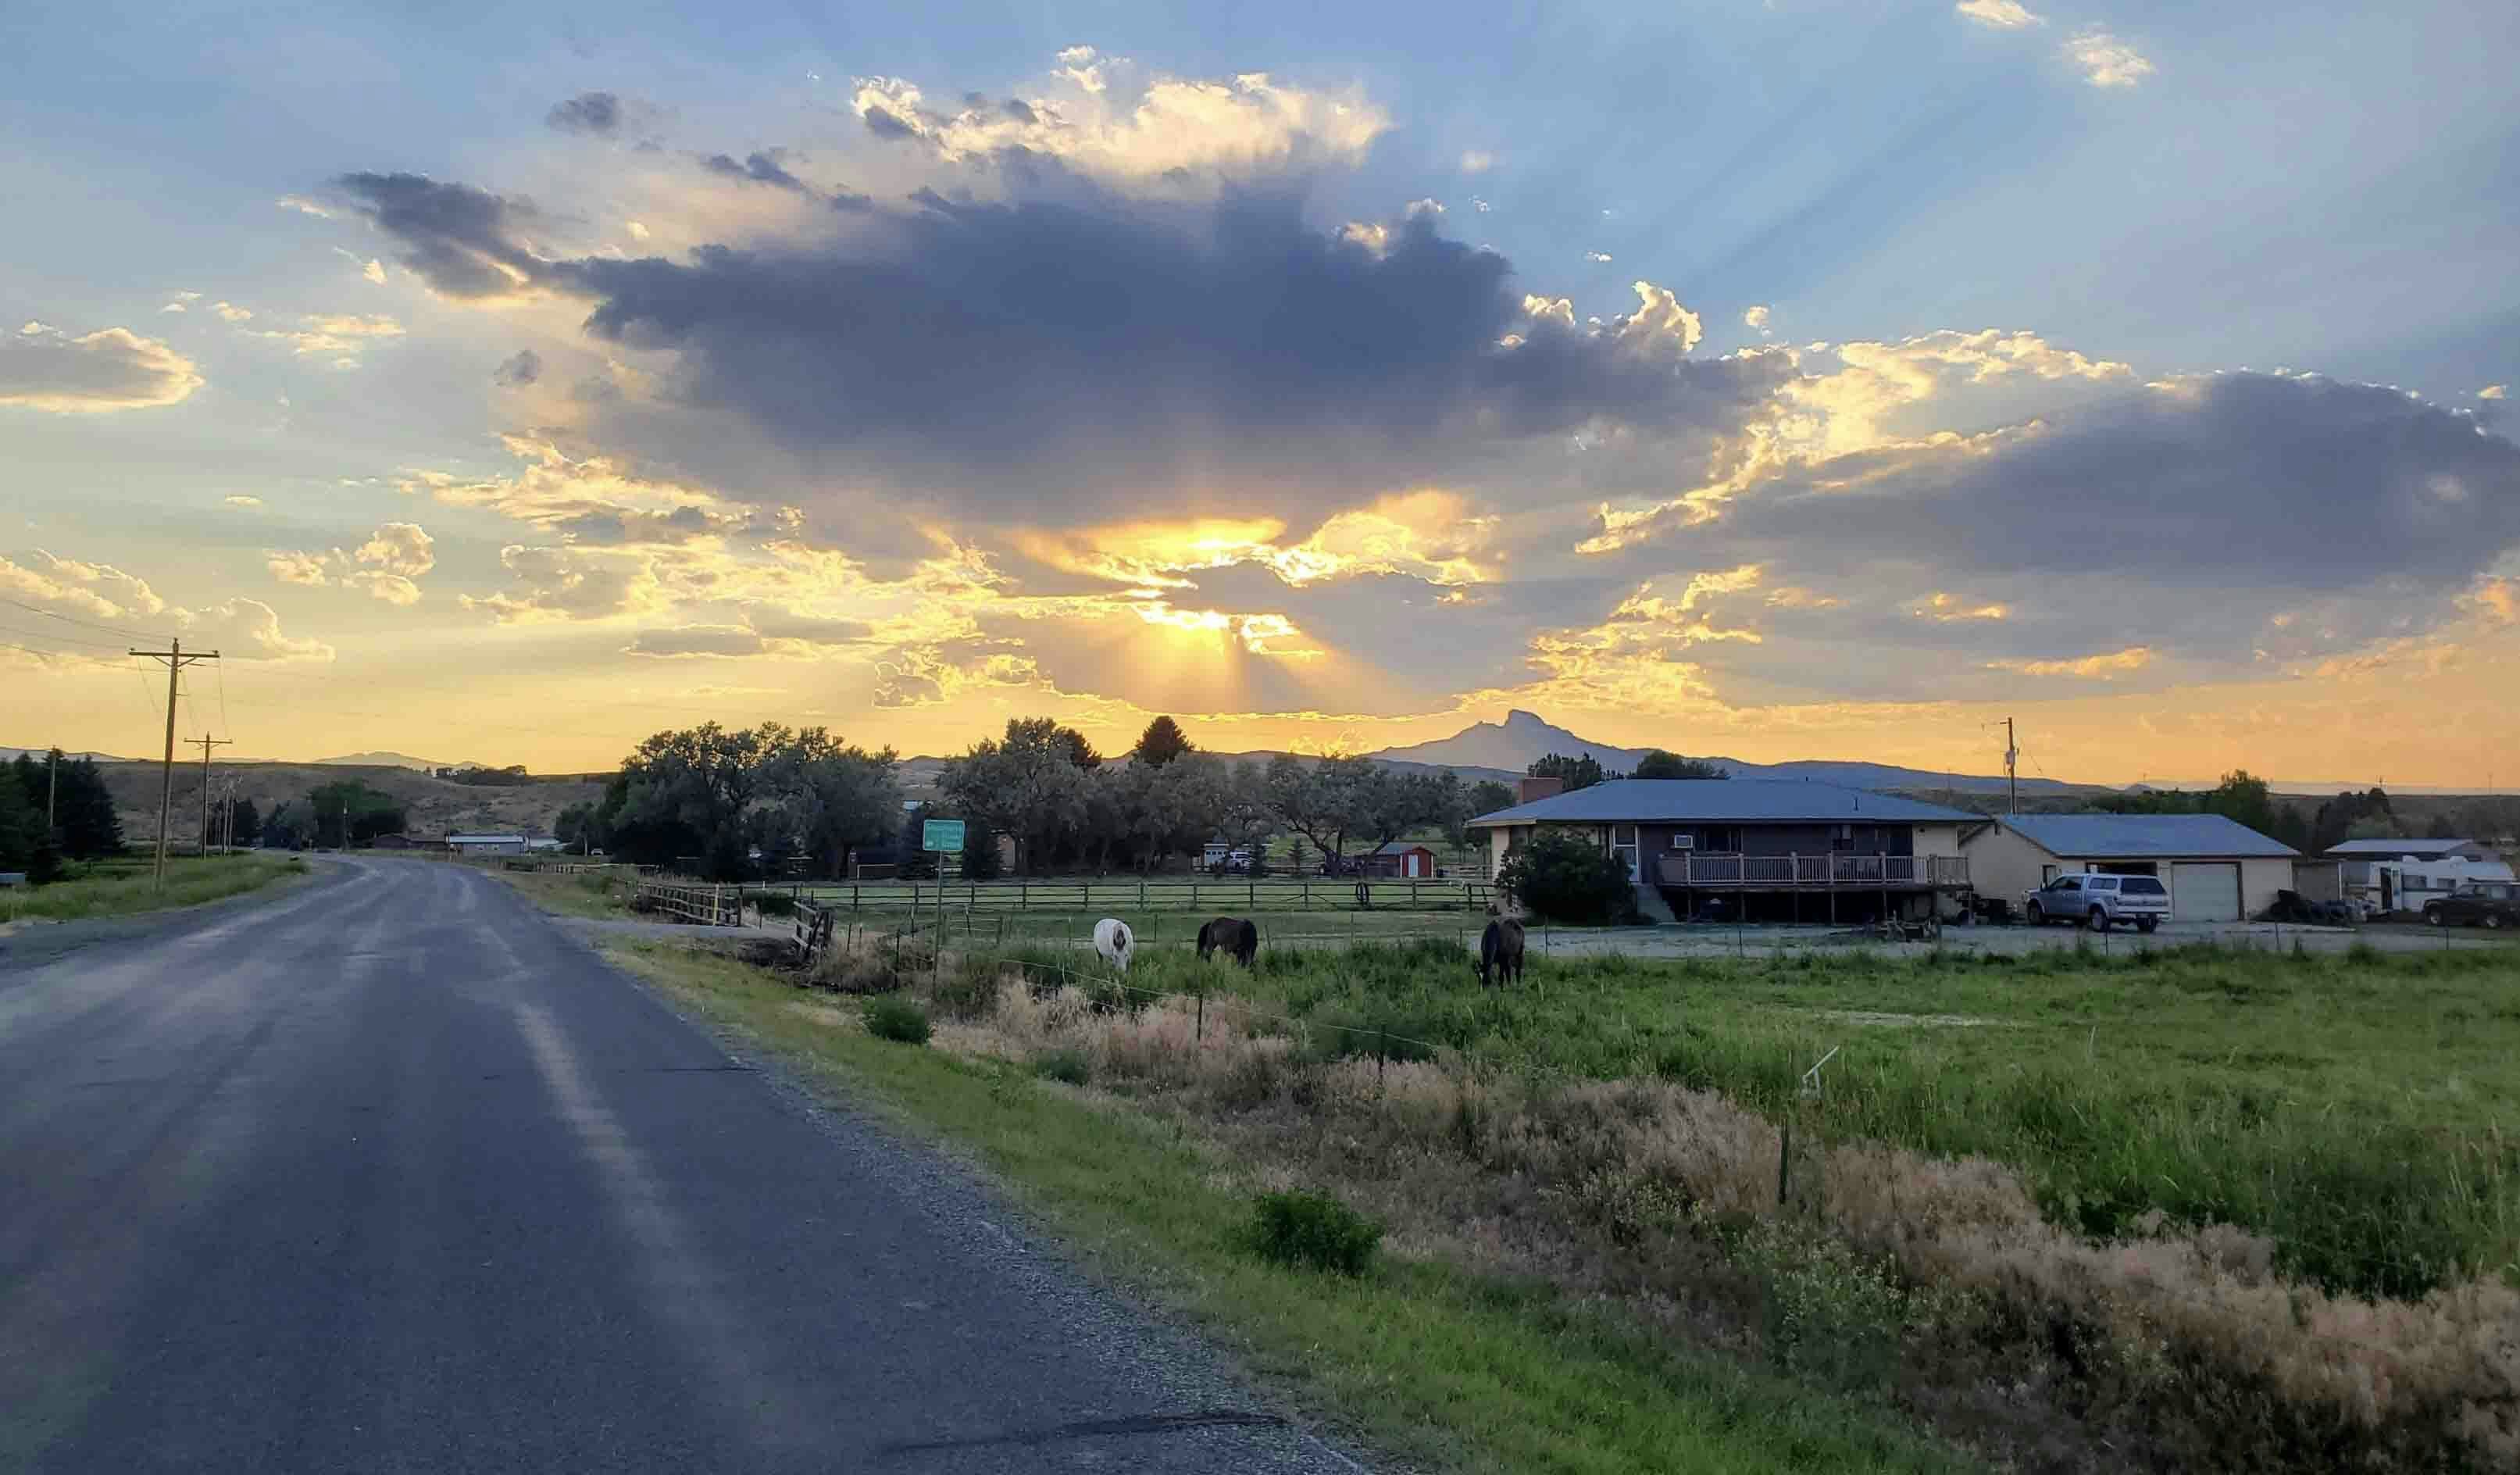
[[732, 804], [54, 810]]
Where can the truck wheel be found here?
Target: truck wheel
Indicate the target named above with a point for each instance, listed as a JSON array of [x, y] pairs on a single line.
[[2432, 917], [2037, 919], [2099, 920], [2146, 925], [2494, 919]]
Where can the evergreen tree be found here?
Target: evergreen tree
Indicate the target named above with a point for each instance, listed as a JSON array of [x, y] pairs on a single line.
[[22, 827], [1161, 743], [90, 828]]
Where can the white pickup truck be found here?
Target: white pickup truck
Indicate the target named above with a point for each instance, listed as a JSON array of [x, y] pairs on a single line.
[[2100, 902]]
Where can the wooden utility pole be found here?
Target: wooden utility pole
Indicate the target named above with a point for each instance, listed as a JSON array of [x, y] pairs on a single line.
[[53, 790], [2011, 780], [176, 661], [207, 742]]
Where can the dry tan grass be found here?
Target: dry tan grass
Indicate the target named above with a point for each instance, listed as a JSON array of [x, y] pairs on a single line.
[[2183, 1344]]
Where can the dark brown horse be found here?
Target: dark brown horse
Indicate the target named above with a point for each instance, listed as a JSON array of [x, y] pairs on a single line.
[[1501, 953], [1233, 935]]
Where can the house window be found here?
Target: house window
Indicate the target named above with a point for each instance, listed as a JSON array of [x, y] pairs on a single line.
[[1623, 834]]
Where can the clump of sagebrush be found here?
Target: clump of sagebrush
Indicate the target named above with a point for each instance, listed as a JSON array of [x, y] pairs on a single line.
[[1067, 1064], [892, 1018], [1942, 1281], [1314, 1232]]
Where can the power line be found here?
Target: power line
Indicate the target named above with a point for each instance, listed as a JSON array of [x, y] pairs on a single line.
[[69, 640], [74, 619]]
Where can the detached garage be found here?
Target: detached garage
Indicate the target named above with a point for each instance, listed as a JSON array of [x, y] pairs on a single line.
[[2217, 870]]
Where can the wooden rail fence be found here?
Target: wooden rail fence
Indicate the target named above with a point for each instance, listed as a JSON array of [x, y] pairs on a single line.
[[1297, 894], [707, 906]]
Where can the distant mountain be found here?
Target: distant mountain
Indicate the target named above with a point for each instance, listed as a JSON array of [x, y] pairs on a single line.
[[387, 760], [1523, 737], [1512, 745], [10, 754]]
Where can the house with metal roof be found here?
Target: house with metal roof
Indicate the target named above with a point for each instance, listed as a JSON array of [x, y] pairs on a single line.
[[2217, 869], [1759, 849]]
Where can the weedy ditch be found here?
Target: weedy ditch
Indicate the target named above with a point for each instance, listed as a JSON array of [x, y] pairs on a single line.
[[2015, 1232]]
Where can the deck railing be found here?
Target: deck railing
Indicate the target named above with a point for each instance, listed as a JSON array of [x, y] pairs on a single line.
[[1730, 869]]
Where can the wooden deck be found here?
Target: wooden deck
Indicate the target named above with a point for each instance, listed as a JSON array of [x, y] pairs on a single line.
[[1732, 872]]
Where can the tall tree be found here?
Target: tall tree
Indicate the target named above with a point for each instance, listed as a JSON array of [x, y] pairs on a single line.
[[1487, 796], [1029, 784], [367, 811], [1662, 765], [22, 827], [243, 822], [85, 814], [833, 796], [1160, 743], [1245, 819], [2243, 796]]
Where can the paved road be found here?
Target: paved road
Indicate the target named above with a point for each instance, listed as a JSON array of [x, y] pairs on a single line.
[[392, 1174]]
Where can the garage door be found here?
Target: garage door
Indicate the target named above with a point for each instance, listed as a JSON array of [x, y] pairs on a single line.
[[2205, 892]]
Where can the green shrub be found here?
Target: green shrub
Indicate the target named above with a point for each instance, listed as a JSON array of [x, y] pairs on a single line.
[[1314, 1231], [773, 903], [1562, 876], [892, 1018], [1067, 1064]]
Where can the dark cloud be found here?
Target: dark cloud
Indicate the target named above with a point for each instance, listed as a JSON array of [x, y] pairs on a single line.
[[460, 241], [2235, 520], [1022, 111], [598, 113], [757, 168], [1087, 350], [850, 203], [522, 368], [883, 122], [2238, 478]]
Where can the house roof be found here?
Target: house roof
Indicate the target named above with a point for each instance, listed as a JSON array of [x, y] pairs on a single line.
[[1659, 801], [2161, 836], [1397, 847], [2390, 849], [485, 839]]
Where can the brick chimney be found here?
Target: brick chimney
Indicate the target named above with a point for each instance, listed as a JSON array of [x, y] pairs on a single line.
[[1530, 788]]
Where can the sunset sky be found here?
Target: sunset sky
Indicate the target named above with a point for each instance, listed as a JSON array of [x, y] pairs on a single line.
[[1799, 379]]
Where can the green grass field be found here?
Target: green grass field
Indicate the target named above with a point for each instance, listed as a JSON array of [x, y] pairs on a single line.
[[2357, 1109], [119, 887]]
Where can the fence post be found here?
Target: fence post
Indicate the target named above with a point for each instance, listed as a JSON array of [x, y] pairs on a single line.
[[1784, 1162], [1199, 1034]]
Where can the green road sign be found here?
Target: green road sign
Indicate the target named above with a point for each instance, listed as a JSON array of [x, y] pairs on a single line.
[[941, 834]]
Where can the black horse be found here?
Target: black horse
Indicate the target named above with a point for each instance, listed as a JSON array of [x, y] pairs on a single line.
[[1232, 935], [1501, 953]]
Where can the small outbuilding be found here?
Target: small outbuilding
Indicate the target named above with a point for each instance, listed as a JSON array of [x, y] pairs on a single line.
[[1400, 860], [2217, 869]]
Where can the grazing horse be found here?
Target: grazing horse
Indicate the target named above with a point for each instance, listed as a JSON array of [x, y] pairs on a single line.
[[1233, 935], [1111, 939], [1501, 953]]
